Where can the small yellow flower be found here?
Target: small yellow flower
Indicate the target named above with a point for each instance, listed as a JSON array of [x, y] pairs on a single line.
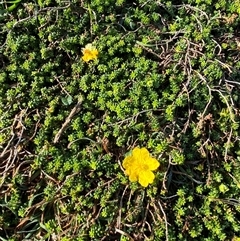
[[89, 53], [139, 166]]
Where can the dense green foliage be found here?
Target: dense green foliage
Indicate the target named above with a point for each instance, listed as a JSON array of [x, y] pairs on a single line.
[[167, 78]]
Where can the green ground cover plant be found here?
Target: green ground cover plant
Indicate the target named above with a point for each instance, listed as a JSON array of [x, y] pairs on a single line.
[[166, 78]]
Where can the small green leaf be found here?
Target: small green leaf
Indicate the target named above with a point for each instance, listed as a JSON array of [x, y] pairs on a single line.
[[40, 3], [223, 188], [67, 100]]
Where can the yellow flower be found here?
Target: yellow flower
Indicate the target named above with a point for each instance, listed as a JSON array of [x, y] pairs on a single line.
[[89, 53], [139, 166]]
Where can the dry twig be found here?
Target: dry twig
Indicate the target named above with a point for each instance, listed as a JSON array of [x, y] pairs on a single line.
[[73, 112]]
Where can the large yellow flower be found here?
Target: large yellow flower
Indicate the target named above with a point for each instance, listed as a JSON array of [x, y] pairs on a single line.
[[89, 53], [139, 166]]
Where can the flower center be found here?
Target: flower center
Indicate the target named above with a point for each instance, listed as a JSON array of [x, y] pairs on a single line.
[[144, 167]]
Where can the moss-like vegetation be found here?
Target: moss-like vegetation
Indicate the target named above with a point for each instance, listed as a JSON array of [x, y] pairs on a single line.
[[166, 78]]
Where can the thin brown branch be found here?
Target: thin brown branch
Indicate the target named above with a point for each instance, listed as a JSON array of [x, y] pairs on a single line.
[[73, 112]]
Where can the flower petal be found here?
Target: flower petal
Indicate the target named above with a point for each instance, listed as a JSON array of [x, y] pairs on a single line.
[[145, 178], [128, 162], [136, 152], [86, 58], [152, 163], [94, 53], [89, 46], [133, 177], [144, 153]]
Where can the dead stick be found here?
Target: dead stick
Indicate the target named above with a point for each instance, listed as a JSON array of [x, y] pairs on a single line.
[[74, 111]]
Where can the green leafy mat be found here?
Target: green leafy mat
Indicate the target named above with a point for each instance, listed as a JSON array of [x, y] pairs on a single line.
[[166, 78]]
